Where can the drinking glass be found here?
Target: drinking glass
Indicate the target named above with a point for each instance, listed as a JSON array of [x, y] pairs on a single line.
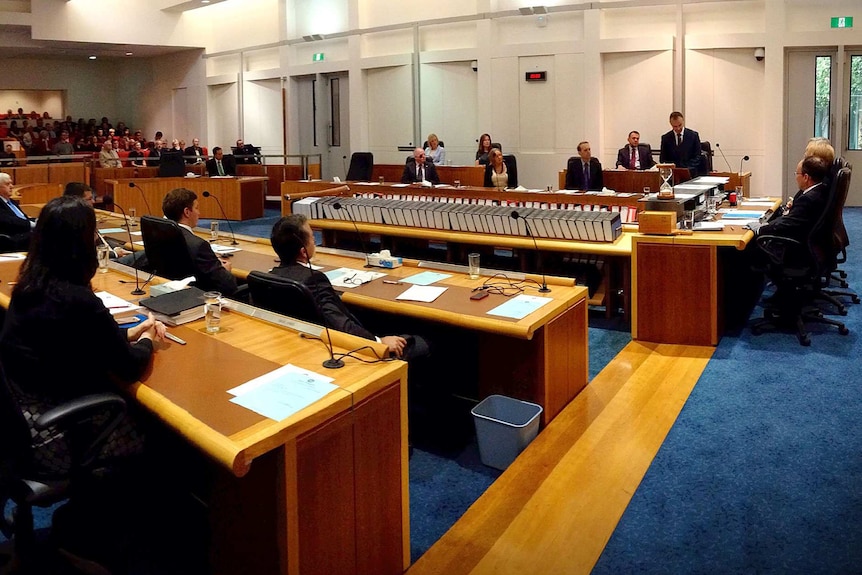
[[473, 265], [103, 254], [213, 231], [212, 309]]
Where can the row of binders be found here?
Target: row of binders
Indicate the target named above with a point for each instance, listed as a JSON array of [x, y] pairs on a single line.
[[595, 226]]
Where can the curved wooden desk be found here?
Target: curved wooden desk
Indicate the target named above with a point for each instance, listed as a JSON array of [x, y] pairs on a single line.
[[323, 491]]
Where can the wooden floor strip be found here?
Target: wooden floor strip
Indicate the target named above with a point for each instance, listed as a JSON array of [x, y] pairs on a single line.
[[555, 508]]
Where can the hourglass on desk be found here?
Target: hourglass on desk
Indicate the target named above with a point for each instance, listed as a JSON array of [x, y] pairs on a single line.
[[665, 172]]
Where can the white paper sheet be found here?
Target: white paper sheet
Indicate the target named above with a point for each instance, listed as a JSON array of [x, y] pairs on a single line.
[[425, 294]]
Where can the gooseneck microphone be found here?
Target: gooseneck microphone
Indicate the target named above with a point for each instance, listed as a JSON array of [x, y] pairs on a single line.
[[718, 147], [344, 165], [146, 203], [137, 290], [339, 206], [332, 362], [233, 241], [515, 216], [744, 159]]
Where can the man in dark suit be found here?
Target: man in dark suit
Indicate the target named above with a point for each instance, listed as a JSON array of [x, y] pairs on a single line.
[[221, 165], [293, 241], [584, 172], [419, 169], [250, 153], [808, 204], [681, 146], [181, 206], [13, 222], [635, 156], [196, 151]]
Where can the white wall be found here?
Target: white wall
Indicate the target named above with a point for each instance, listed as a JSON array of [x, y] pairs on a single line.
[[449, 108], [390, 113]]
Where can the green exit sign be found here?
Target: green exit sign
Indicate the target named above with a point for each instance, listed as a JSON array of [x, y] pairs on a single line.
[[318, 57], [842, 22]]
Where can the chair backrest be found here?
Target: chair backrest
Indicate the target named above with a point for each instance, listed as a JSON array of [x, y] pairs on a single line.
[[361, 164], [172, 164], [166, 248], [821, 241], [439, 143], [842, 240], [16, 447], [512, 168], [706, 157], [283, 295]]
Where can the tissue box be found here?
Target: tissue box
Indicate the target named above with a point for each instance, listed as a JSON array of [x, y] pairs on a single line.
[[384, 261]]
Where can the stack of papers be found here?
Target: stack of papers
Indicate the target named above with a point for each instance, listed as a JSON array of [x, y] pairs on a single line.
[[281, 393], [219, 250], [425, 278], [117, 305]]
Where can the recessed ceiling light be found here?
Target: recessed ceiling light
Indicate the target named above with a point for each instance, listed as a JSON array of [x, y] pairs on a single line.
[[130, 53], [92, 58]]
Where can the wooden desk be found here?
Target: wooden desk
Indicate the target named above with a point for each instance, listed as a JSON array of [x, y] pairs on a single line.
[[467, 175], [541, 358], [634, 181], [323, 491], [241, 197]]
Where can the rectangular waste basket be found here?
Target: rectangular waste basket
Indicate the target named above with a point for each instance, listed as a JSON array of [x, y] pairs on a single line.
[[504, 427]]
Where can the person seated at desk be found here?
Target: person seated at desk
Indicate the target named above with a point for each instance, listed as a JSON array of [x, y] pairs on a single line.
[[7, 157], [248, 154], [681, 146], [109, 157], [497, 172], [194, 154], [484, 150], [585, 171], [635, 156], [136, 155], [435, 151], [293, 241], [55, 322], [820, 147], [211, 274], [221, 165], [808, 204], [418, 169], [13, 222]]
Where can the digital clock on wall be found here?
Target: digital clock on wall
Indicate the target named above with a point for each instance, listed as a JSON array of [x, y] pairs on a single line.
[[536, 76]]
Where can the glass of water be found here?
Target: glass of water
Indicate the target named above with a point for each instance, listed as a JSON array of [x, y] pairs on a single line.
[[103, 254], [212, 309], [132, 213], [213, 231]]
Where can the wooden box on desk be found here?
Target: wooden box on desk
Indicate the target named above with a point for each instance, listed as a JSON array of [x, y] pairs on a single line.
[[657, 223]]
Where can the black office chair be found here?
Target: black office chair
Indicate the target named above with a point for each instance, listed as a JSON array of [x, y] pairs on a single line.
[[283, 295], [166, 249], [439, 143], [797, 270], [706, 155], [831, 292], [86, 423], [512, 168], [361, 165], [7, 244]]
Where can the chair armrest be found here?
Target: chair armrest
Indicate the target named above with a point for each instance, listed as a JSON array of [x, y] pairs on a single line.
[[80, 409], [779, 248]]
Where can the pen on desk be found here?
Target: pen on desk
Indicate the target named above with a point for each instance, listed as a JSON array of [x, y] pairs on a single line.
[[172, 337], [392, 282]]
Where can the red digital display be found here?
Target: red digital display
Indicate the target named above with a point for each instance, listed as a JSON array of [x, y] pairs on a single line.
[[536, 76]]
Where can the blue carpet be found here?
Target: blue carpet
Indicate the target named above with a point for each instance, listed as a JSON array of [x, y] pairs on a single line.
[[762, 471], [260, 227]]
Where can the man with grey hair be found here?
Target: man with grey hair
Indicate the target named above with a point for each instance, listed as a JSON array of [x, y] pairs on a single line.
[[419, 169], [13, 222]]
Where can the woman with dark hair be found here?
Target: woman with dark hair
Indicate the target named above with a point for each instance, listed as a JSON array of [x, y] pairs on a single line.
[[484, 149], [59, 341]]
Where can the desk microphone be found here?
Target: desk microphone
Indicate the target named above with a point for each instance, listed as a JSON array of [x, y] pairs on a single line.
[[233, 241], [332, 362], [718, 147], [344, 165], [515, 215], [744, 159], [146, 203], [339, 206], [137, 290]]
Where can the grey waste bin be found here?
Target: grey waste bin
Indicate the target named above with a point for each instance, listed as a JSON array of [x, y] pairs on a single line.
[[504, 427]]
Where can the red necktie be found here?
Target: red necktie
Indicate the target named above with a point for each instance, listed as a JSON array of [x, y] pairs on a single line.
[[634, 158]]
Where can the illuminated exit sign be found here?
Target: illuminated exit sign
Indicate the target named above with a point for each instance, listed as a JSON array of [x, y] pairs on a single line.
[[842, 22], [318, 57]]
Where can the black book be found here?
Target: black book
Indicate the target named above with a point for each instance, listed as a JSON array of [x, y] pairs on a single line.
[[177, 307]]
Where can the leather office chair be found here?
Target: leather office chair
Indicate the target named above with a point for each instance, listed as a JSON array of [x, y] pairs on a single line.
[[283, 295], [439, 143], [166, 248], [7, 244], [706, 154], [86, 422], [361, 164], [512, 168], [681, 175], [840, 243], [797, 269]]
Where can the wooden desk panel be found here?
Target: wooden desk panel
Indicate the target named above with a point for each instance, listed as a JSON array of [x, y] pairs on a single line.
[[242, 198], [468, 175]]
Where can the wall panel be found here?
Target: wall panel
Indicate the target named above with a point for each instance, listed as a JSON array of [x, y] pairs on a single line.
[[390, 113], [450, 108]]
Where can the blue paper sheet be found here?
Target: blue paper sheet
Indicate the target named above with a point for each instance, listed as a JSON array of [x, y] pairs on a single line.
[[520, 306], [425, 278]]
